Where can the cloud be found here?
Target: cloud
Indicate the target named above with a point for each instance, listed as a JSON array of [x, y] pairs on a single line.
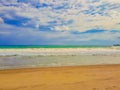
[[61, 28], [85, 14], [1, 20], [64, 20], [12, 35]]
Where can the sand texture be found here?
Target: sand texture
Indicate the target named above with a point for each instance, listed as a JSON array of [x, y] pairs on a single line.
[[97, 77]]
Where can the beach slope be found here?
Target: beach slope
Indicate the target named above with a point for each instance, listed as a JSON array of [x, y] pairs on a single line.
[[97, 77]]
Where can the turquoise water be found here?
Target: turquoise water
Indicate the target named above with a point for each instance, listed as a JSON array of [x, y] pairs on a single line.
[[48, 46]]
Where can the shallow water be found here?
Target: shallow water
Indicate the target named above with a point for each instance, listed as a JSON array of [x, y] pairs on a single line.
[[9, 62]]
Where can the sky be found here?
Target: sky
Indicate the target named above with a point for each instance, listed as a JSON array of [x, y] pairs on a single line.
[[59, 22]]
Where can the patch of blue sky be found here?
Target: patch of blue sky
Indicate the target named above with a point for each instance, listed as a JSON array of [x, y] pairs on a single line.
[[42, 5], [23, 1], [60, 22], [63, 6], [92, 11], [109, 6], [115, 31], [9, 5], [92, 31], [59, 7], [45, 28], [95, 31], [20, 21], [100, 9], [35, 4]]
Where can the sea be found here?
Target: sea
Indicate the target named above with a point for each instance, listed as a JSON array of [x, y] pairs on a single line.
[[18, 61], [51, 46]]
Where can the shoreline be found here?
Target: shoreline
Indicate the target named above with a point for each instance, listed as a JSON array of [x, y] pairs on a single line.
[[11, 62], [58, 67]]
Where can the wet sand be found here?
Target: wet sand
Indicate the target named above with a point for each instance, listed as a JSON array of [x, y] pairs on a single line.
[[12, 62], [96, 77]]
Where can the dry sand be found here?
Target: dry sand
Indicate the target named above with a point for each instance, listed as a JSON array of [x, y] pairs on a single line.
[[97, 77]]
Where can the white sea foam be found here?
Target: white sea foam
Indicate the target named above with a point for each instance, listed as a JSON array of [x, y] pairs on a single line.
[[59, 51], [9, 62]]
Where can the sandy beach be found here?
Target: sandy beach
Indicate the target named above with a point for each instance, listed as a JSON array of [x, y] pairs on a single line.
[[60, 69], [97, 77]]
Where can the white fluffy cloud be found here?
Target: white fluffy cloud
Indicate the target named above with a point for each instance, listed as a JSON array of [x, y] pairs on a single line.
[[61, 18], [86, 14]]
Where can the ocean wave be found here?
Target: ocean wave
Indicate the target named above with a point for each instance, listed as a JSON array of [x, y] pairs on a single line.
[[57, 52]]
